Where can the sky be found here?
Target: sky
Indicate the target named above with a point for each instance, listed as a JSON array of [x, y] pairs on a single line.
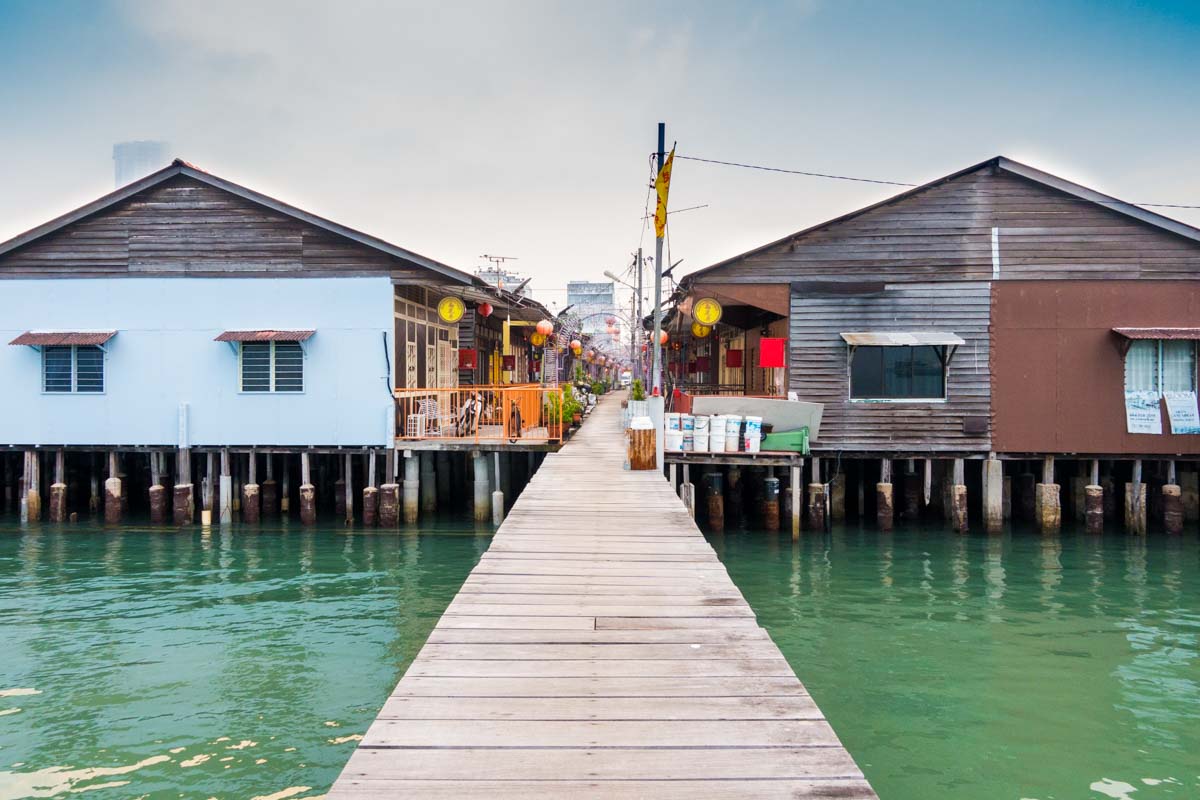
[[524, 128]]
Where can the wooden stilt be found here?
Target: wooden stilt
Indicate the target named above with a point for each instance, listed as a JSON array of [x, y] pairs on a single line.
[[251, 491], [112, 491], [225, 483], [1172, 503], [157, 492], [959, 497], [308, 494], [884, 509], [348, 500], [58, 489], [269, 490], [797, 497], [1135, 501]]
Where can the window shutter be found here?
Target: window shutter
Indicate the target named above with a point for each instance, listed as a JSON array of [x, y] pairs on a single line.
[[56, 368], [89, 369], [289, 367], [256, 366]]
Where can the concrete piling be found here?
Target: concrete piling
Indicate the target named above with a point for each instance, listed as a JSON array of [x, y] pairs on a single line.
[[370, 494], [389, 505], [251, 497], [157, 492], [796, 499], [269, 490], [498, 494], [412, 487], [884, 508], [183, 504], [482, 494], [443, 477], [429, 486], [1093, 508], [993, 494], [308, 495], [112, 492], [58, 489], [816, 506], [1047, 499], [958, 498]]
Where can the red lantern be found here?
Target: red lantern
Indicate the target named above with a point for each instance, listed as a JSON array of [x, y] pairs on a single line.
[[645, 347], [662, 337], [610, 321], [545, 327], [484, 309]]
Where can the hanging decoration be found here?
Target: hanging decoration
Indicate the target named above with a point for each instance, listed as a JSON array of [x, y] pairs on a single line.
[[701, 331], [484, 309], [537, 339], [451, 309], [662, 337], [707, 311], [545, 327], [771, 352]]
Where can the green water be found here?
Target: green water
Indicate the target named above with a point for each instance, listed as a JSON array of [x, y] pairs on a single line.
[[1004, 667], [229, 665]]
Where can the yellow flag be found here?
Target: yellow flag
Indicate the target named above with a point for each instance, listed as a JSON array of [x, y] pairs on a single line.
[[662, 185]]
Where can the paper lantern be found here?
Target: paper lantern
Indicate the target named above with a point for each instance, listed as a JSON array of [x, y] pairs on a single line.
[[770, 353], [662, 337], [645, 347], [484, 309], [545, 327], [538, 339], [700, 331], [576, 344]]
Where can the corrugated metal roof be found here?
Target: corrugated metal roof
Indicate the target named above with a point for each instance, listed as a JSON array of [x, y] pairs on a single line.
[[42, 338], [902, 338], [264, 336], [1158, 333]]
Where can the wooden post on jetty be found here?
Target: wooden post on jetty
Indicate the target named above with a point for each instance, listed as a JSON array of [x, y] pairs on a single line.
[[268, 494], [112, 491], [370, 494], [251, 496], [993, 495], [958, 497], [308, 495], [837, 497], [348, 500], [184, 502], [1047, 501], [389, 492], [58, 489], [1172, 502], [1093, 501], [225, 514], [771, 503], [1135, 501], [797, 497], [816, 499], [93, 485], [157, 493], [714, 493], [884, 509]]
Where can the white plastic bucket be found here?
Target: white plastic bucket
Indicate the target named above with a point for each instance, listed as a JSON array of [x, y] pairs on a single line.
[[689, 441], [674, 441], [733, 432], [700, 424], [701, 440], [672, 419], [687, 422], [753, 434], [716, 435]]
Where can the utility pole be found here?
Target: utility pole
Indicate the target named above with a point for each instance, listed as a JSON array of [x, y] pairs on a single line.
[[656, 363], [637, 327]]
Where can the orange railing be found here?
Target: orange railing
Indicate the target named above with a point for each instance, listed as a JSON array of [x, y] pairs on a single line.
[[508, 413]]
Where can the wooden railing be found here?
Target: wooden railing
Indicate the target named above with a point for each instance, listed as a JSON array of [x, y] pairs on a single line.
[[507, 413]]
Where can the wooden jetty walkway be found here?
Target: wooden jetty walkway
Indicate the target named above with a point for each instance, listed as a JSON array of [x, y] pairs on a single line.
[[599, 649]]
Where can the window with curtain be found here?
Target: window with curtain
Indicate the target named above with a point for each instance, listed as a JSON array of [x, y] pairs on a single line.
[[1160, 365], [1178, 366]]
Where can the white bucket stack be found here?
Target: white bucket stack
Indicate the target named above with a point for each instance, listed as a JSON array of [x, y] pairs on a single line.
[[673, 441], [753, 434], [733, 432], [700, 434], [716, 434], [687, 425]]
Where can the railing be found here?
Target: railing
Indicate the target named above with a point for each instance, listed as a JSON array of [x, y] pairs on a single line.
[[510, 413]]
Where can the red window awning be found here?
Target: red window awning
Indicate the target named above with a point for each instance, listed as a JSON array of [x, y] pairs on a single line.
[[1158, 333], [264, 336], [47, 338]]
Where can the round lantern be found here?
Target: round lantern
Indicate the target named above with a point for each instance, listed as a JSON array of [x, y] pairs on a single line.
[[645, 347], [610, 321], [538, 339], [484, 309], [700, 331], [662, 337], [576, 344], [545, 327]]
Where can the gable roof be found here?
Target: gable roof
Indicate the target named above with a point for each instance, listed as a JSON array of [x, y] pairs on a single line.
[[180, 167], [999, 163]]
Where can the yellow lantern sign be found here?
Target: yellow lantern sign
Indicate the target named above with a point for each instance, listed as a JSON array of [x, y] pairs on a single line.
[[707, 311], [700, 331], [451, 309], [538, 339]]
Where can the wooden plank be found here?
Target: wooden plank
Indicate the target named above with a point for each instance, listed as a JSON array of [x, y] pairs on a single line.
[[607, 655]]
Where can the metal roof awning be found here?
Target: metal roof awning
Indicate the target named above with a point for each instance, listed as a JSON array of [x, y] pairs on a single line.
[[1158, 333], [902, 339], [49, 338], [264, 336]]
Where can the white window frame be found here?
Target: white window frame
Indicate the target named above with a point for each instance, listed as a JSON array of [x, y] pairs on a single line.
[[1158, 366], [271, 371], [75, 371], [945, 398]]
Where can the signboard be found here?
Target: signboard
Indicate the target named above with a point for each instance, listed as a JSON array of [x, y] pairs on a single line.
[[451, 309], [1143, 412], [707, 311], [1181, 410]]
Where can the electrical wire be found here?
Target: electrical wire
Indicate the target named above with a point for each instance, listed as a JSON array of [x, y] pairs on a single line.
[[885, 182]]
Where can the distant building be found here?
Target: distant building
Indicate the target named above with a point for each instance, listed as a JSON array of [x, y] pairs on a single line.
[[501, 278], [592, 303], [133, 160]]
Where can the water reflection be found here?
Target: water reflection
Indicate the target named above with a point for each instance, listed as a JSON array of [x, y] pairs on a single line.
[[1003, 665]]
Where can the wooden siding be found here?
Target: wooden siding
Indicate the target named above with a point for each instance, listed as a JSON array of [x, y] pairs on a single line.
[[944, 233], [819, 371], [185, 227]]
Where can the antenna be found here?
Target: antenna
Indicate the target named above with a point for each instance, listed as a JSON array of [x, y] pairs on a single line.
[[498, 261]]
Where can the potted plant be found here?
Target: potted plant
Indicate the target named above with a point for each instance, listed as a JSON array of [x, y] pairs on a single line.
[[552, 409], [571, 409], [637, 400]]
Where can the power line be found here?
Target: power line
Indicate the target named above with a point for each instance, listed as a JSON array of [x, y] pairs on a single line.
[[886, 183]]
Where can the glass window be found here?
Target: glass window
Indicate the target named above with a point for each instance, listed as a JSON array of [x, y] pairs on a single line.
[[894, 373], [67, 369], [272, 367], [1178, 366], [1141, 366]]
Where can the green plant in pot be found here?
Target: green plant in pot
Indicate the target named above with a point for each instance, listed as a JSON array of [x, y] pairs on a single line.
[[637, 391]]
